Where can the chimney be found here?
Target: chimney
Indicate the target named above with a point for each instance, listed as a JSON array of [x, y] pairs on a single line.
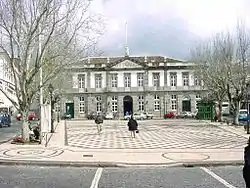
[[108, 60], [145, 59], [165, 59], [88, 60]]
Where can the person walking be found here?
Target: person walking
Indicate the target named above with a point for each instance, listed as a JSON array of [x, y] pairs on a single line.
[[132, 126], [99, 121], [246, 168]]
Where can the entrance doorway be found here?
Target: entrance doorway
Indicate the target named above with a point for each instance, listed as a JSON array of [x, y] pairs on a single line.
[[128, 105], [70, 109], [186, 106]]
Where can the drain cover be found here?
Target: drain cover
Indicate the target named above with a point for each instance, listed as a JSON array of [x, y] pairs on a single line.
[[88, 155]]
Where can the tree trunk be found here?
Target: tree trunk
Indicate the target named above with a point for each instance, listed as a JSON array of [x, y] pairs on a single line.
[[25, 128], [236, 113], [220, 112]]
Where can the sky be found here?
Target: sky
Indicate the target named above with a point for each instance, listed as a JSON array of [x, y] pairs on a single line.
[[166, 27]]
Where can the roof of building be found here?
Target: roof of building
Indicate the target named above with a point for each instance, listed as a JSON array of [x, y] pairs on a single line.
[[139, 59]]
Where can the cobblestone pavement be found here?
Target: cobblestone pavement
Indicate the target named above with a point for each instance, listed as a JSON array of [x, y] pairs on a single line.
[[154, 134]]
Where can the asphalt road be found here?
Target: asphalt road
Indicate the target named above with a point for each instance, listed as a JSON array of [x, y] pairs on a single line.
[[157, 177], [7, 133]]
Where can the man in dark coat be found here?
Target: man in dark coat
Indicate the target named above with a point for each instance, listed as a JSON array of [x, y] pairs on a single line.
[[99, 121], [132, 126], [246, 168]]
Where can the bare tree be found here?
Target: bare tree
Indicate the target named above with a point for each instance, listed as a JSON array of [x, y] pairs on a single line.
[[44, 34], [224, 67], [210, 69]]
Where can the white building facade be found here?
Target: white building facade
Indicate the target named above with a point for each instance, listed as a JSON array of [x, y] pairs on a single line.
[[6, 82], [153, 84]]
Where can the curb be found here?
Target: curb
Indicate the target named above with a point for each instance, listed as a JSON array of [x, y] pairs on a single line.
[[5, 141], [101, 164]]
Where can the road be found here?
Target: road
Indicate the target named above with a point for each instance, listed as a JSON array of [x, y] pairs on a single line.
[[142, 177], [7, 133]]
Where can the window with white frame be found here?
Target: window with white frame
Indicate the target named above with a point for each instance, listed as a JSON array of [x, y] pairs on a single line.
[[140, 78], [197, 81], [114, 102], [81, 104], [141, 102], [197, 99], [173, 102], [185, 78], [81, 81], [57, 107], [98, 104], [157, 102], [173, 79], [114, 79], [98, 80], [127, 79], [156, 79]]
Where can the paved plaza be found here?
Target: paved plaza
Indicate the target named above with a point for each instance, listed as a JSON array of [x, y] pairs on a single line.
[[154, 134]]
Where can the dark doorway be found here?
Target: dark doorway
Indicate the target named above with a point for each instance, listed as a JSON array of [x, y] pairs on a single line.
[[127, 105], [186, 105], [70, 109]]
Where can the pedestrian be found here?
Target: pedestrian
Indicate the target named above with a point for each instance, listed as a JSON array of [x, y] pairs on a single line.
[[132, 126], [246, 168], [99, 121]]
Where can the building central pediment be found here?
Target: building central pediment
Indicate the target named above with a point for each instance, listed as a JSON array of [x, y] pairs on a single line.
[[126, 64]]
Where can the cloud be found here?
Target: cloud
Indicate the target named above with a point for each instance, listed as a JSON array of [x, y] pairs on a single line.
[[165, 27]]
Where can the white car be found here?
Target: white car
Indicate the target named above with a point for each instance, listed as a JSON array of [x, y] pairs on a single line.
[[149, 116], [140, 116], [127, 117], [109, 116]]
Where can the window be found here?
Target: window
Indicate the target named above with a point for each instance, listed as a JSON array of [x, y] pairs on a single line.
[[114, 102], [141, 102], [113, 80], [81, 105], [98, 80], [57, 107], [127, 80], [157, 103], [185, 78], [197, 81], [140, 79], [81, 81], [173, 79], [156, 79], [174, 102], [99, 104], [198, 96]]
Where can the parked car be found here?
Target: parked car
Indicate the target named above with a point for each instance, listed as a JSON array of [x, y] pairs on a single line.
[[169, 115], [127, 117], [148, 115], [91, 115], [140, 116], [5, 120], [66, 116], [31, 116], [109, 115], [243, 115]]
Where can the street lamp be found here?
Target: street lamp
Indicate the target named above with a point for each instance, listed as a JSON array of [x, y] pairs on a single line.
[[51, 89]]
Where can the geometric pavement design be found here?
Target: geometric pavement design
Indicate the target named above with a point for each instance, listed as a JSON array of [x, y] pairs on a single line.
[[153, 134]]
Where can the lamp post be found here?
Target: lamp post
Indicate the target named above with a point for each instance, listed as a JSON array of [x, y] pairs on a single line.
[[51, 89], [248, 132]]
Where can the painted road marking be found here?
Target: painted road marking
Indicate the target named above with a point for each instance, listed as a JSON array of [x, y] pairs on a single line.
[[215, 176], [97, 178]]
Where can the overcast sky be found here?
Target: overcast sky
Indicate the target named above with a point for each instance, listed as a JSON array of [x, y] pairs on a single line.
[[166, 27]]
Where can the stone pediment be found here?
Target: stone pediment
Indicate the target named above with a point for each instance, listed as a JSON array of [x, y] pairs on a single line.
[[126, 64]]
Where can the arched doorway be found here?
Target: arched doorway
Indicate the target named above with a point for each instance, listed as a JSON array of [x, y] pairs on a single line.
[[186, 104], [127, 104]]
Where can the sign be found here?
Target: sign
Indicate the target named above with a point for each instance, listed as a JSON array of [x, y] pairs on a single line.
[[127, 64]]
